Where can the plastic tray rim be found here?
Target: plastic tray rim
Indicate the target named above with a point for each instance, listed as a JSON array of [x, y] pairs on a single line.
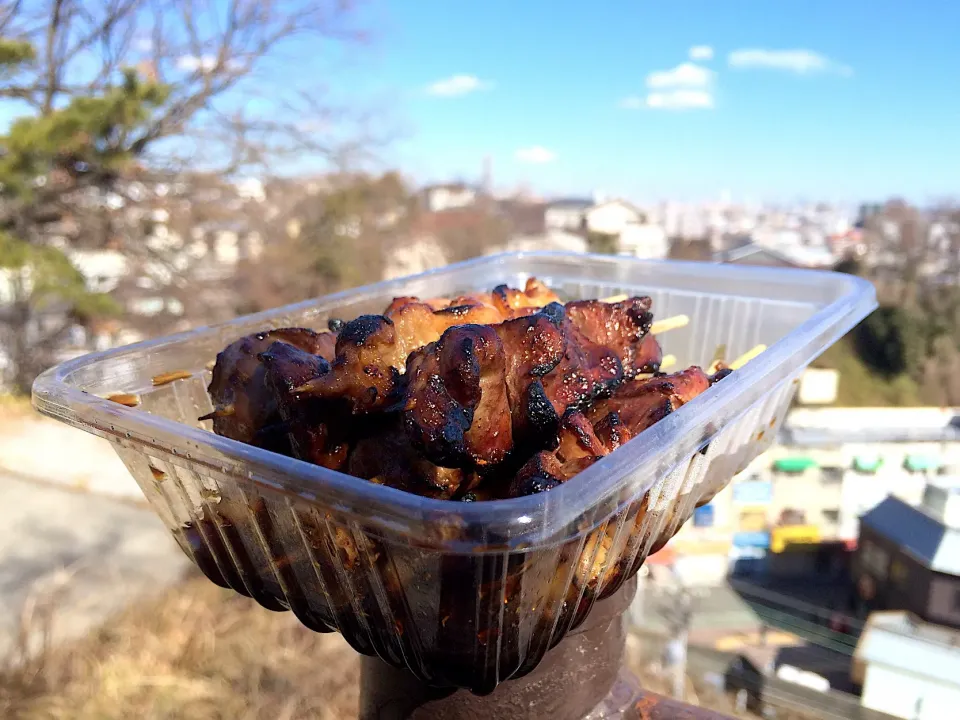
[[525, 521]]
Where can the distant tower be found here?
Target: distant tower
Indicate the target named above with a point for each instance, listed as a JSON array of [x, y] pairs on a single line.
[[486, 181]]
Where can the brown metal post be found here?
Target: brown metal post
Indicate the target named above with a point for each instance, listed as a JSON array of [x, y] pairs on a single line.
[[571, 680]]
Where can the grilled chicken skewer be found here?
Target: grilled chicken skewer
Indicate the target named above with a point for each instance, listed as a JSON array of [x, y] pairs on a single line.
[[456, 391]]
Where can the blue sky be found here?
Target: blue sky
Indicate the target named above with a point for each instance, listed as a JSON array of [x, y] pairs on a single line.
[[776, 100], [781, 100]]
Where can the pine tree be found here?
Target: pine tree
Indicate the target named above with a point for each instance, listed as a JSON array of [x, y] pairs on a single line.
[[50, 161], [116, 99]]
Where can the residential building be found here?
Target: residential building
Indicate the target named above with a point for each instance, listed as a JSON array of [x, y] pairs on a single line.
[[830, 466], [846, 460], [645, 240], [747, 252], [908, 559], [449, 197], [613, 217], [942, 498], [567, 214], [101, 269], [908, 668], [750, 250]]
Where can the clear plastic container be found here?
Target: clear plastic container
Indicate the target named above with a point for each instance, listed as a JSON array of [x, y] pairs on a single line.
[[461, 594]]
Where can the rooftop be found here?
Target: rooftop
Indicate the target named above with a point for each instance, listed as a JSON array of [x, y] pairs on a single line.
[[753, 254], [924, 537], [901, 641], [830, 426], [572, 203]]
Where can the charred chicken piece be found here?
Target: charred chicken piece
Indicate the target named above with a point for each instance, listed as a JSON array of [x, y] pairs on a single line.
[[510, 302], [477, 391], [587, 371], [621, 327], [400, 302], [457, 409], [584, 439], [578, 439], [316, 432], [388, 458], [544, 471], [244, 407], [372, 350], [640, 403], [535, 295], [578, 447], [462, 389], [649, 355]]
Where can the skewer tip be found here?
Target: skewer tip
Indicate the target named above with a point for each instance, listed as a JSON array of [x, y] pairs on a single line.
[[747, 356], [615, 298], [670, 323]]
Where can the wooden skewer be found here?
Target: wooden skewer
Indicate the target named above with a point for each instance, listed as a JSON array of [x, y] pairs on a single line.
[[747, 356], [169, 377], [128, 399], [670, 323], [615, 298], [224, 411]]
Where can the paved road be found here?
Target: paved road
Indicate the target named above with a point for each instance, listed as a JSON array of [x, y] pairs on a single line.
[[718, 609], [88, 555], [36, 447]]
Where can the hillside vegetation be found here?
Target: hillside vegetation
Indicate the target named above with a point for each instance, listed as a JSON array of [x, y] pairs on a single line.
[[905, 353]]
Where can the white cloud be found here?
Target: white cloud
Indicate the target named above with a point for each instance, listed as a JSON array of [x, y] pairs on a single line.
[[683, 75], [701, 52], [457, 85], [680, 100], [632, 102], [206, 63], [535, 154], [802, 62], [192, 63]]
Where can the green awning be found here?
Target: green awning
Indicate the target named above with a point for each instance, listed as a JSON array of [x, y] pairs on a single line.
[[867, 463], [794, 464], [919, 463]]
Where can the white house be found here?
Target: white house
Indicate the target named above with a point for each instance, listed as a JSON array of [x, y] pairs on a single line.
[[102, 269], [941, 498], [449, 197], [613, 217], [567, 214], [644, 241], [908, 668]]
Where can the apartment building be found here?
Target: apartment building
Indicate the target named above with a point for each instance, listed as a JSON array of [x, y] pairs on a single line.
[[829, 467]]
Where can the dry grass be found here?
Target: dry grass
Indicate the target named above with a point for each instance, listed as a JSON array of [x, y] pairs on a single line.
[[197, 653], [15, 407], [201, 653]]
